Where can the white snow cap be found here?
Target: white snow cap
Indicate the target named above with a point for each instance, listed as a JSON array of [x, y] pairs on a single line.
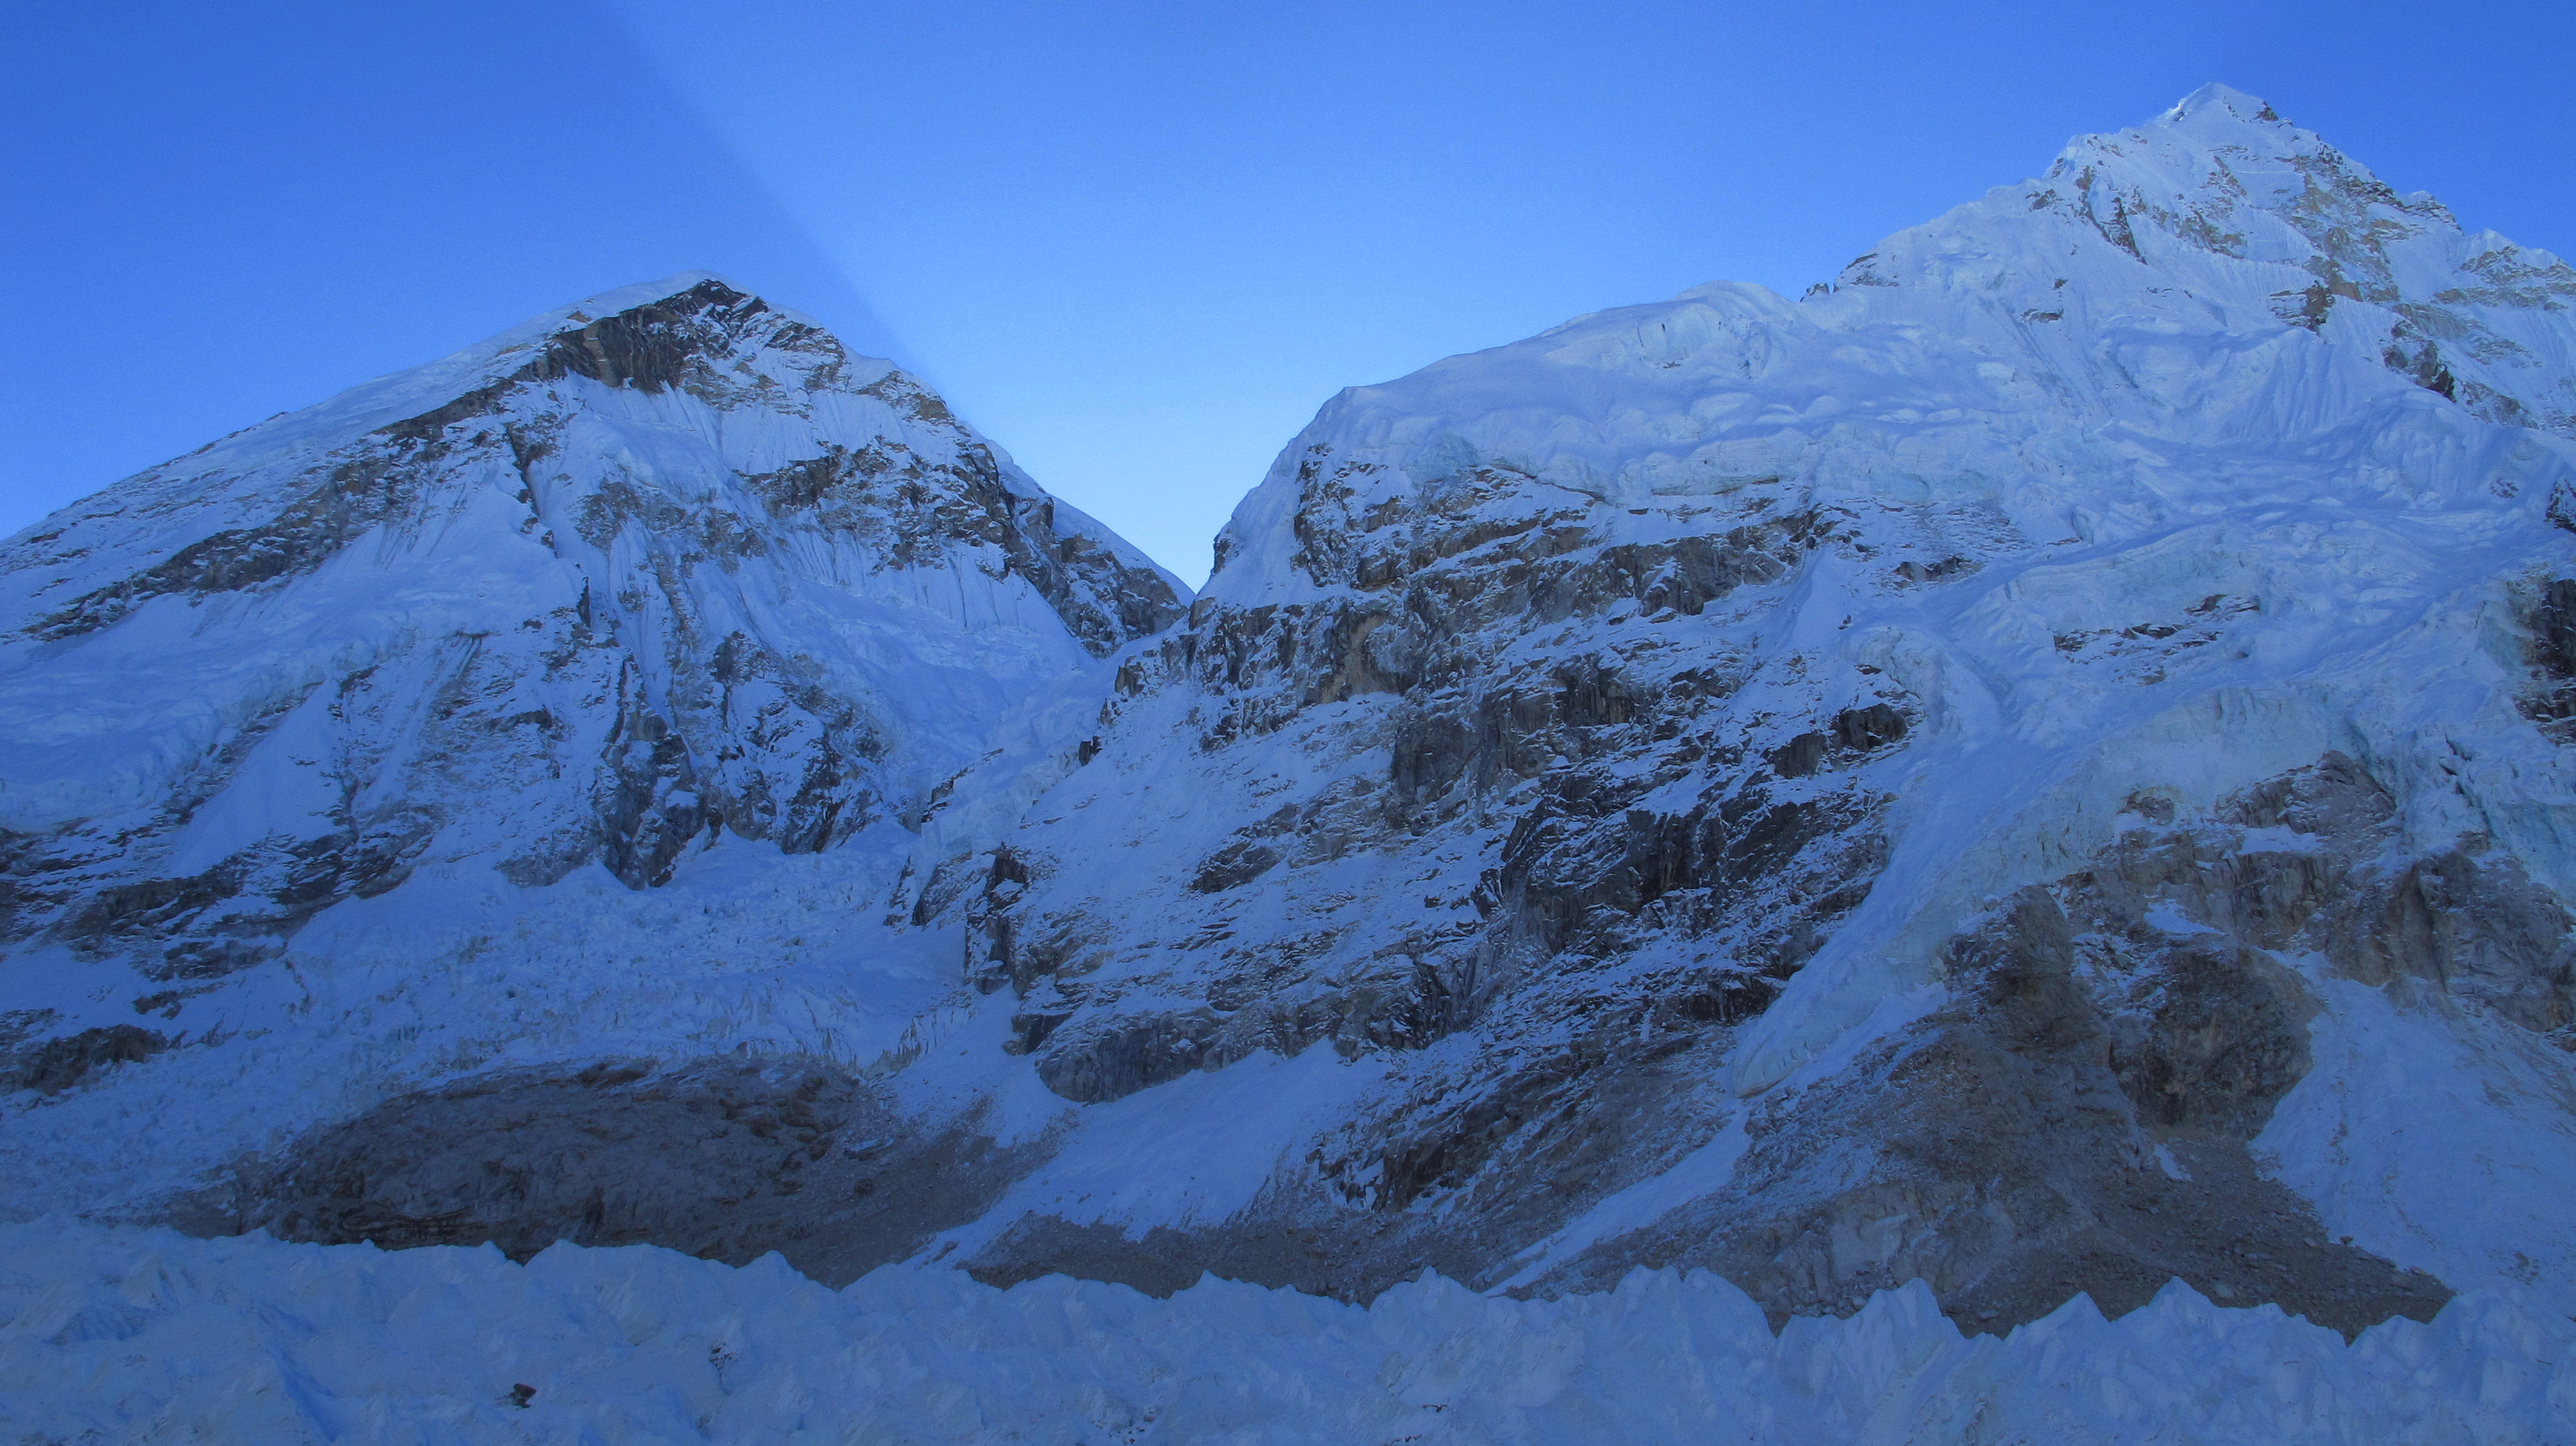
[[2249, 108]]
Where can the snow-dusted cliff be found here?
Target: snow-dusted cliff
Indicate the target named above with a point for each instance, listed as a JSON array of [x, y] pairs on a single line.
[[2037, 768]]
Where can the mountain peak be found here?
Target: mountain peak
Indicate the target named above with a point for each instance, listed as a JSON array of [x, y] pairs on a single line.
[[2195, 141], [645, 293], [700, 287], [728, 578], [2225, 99]]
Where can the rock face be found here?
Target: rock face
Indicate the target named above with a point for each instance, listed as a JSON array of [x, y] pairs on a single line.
[[2038, 767]]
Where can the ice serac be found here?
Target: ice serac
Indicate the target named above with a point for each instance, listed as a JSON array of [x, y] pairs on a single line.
[[1919, 782], [668, 570]]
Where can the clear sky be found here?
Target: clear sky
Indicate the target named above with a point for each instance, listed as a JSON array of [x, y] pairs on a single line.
[[1137, 244]]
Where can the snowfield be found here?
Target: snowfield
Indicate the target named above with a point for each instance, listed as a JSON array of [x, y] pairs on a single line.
[[126, 1335]]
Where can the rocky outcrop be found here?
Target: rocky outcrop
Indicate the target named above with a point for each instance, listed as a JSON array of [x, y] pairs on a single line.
[[725, 1159], [52, 1065], [2023, 1145]]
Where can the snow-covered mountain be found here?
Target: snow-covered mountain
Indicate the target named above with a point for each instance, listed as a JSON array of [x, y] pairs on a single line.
[[2039, 767], [1992, 772], [665, 585]]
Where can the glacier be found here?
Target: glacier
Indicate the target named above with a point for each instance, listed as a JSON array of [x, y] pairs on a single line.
[[255, 1340], [1982, 853]]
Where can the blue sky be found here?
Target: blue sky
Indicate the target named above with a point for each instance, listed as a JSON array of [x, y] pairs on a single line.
[[1137, 244]]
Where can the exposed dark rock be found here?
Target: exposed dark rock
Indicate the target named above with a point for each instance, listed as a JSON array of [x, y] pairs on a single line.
[[1800, 756], [1953, 566], [379, 478], [1107, 1060], [1862, 730], [1540, 765], [23, 893], [651, 806], [1578, 870], [2421, 364], [54, 1065], [1499, 1171], [2077, 1119], [354, 496], [726, 1159], [1236, 863], [2474, 925], [676, 341], [2480, 929], [647, 347], [1993, 1151], [914, 506], [2213, 1039], [1163, 1262], [2551, 618], [1559, 798], [1855, 732], [625, 759], [150, 907]]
